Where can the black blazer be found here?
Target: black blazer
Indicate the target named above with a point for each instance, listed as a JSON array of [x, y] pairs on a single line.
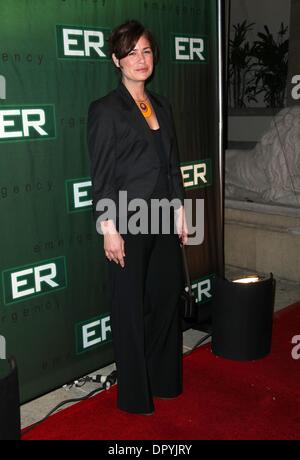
[[122, 149]]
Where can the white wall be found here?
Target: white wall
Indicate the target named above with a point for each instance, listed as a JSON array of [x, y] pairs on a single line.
[[248, 129]]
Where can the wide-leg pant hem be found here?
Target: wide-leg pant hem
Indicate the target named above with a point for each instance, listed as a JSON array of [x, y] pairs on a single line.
[[146, 326]]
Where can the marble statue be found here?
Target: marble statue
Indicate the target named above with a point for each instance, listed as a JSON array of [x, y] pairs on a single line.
[[271, 171]]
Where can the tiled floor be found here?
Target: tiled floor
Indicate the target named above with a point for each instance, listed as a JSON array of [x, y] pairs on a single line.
[[286, 294]]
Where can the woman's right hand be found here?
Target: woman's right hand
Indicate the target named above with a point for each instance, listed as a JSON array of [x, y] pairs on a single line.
[[113, 243]]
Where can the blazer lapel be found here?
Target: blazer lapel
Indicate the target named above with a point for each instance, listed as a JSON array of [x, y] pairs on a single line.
[[139, 121], [134, 113]]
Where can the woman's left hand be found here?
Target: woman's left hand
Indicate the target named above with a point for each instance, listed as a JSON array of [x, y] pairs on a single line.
[[181, 225]]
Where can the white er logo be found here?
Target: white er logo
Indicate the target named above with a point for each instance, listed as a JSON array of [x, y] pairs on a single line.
[[8, 119], [2, 87], [39, 278], [197, 172], [195, 46], [89, 334], [88, 43], [81, 193]]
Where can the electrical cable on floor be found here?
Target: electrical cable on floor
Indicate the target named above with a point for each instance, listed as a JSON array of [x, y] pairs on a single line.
[[106, 383]]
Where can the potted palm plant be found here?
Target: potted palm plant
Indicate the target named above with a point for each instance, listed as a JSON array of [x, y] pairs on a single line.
[[241, 64], [271, 66], [257, 68]]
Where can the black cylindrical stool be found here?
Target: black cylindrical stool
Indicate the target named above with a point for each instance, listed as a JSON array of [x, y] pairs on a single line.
[[242, 317], [9, 401]]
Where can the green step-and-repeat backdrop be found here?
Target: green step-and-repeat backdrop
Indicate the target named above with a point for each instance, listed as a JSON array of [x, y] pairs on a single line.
[[54, 316]]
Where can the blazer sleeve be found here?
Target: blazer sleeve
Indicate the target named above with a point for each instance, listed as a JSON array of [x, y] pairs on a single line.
[[102, 151], [175, 171]]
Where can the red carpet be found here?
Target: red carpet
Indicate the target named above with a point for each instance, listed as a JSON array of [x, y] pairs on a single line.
[[222, 399]]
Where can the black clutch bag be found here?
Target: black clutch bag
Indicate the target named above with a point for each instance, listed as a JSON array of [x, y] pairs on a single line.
[[188, 301]]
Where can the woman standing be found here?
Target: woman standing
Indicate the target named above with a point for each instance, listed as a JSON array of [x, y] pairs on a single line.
[[133, 148]]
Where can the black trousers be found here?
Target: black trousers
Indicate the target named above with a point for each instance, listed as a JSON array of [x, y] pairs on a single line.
[[146, 325]]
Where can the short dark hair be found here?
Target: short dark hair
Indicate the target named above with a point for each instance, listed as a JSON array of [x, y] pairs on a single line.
[[124, 38]]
